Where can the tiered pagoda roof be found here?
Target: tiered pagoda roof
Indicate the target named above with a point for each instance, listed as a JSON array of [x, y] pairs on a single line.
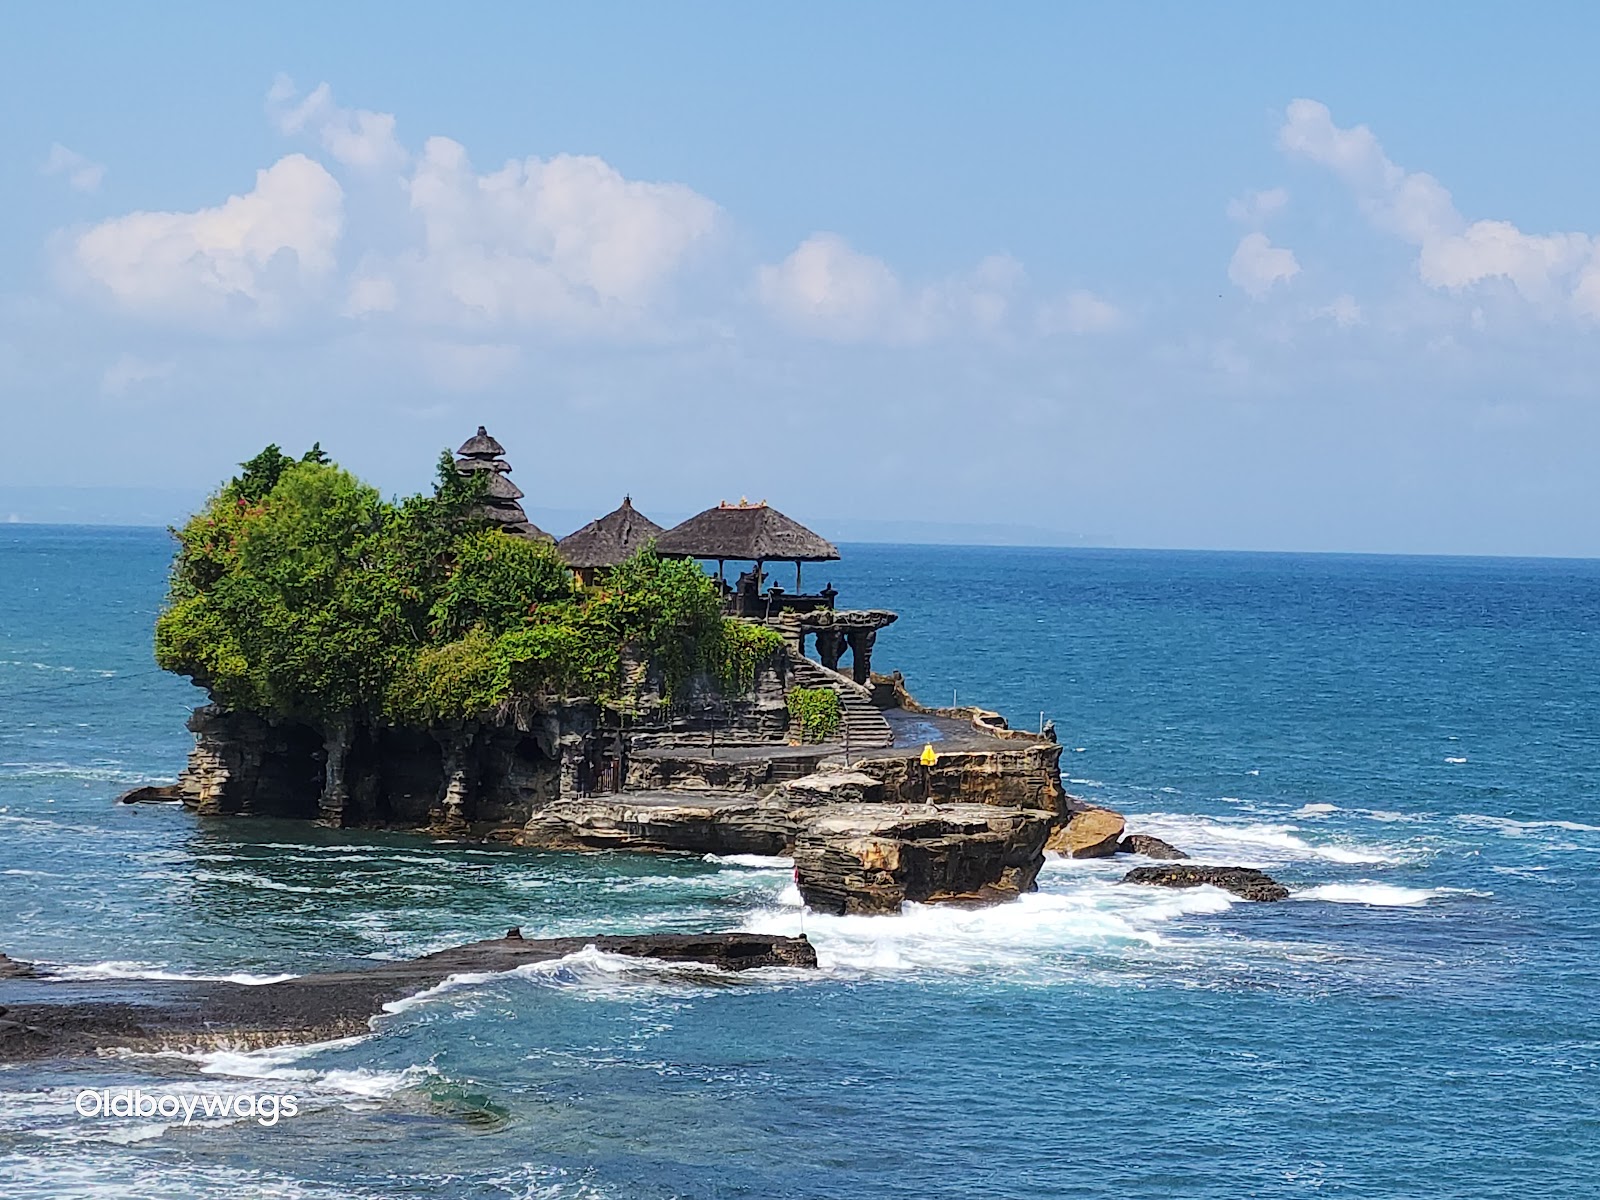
[[481, 452]]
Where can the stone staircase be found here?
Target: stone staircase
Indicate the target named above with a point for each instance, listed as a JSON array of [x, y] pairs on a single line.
[[857, 714]]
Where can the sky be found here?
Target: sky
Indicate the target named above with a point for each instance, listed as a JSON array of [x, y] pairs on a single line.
[[1231, 276]]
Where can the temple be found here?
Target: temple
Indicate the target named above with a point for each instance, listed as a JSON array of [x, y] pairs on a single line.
[[704, 769]]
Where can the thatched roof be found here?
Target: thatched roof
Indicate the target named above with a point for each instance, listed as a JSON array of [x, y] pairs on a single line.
[[481, 445], [508, 515], [501, 488], [745, 531], [606, 542], [527, 529], [482, 464]]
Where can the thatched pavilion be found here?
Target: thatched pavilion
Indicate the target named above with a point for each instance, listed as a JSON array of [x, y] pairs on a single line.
[[759, 534], [480, 452], [602, 544]]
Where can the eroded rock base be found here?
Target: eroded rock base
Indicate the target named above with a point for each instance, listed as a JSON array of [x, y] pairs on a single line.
[[871, 858]]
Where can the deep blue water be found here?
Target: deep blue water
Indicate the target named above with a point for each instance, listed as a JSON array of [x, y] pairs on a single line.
[[1410, 744]]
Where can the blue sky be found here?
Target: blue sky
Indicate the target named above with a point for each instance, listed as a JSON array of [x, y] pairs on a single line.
[[1198, 276]]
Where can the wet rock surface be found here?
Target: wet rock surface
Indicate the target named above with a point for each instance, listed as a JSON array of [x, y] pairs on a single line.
[[1150, 847], [1245, 882], [871, 858], [47, 1018]]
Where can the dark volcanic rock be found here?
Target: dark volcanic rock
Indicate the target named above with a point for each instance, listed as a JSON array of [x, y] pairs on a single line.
[[48, 1018], [166, 793], [1150, 847], [870, 858], [1244, 882], [10, 968]]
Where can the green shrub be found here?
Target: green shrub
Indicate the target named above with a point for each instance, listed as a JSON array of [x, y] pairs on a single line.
[[817, 711]]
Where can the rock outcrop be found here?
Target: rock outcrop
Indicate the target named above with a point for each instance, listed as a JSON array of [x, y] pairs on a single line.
[[1150, 847], [871, 858], [165, 793], [1090, 833], [48, 1018], [1023, 773], [1245, 882], [700, 822], [10, 968]]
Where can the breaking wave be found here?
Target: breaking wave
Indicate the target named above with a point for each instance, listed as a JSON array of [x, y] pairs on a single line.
[[138, 970]]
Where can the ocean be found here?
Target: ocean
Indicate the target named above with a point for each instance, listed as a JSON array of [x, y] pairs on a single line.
[[1411, 745]]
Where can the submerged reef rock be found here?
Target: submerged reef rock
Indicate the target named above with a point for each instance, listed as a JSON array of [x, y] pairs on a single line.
[[1090, 833], [49, 1018], [1245, 882], [871, 858], [1150, 847]]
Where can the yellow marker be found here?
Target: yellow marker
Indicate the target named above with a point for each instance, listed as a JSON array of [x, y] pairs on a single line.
[[928, 756]]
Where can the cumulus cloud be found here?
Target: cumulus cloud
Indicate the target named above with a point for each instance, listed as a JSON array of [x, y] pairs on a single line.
[[566, 240], [1257, 265], [248, 257], [1255, 208], [828, 289], [82, 174], [1079, 312], [1453, 253], [463, 256], [355, 137]]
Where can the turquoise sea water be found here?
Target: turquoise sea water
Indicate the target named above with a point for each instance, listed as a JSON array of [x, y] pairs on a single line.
[[1411, 745]]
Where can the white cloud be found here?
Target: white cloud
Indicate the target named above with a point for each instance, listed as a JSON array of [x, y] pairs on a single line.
[[826, 288], [1257, 265], [1255, 208], [1079, 312], [1452, 252], [246, 259], [1343, 311], [566, 241], [128, 371], [355, 137], [82, 174]]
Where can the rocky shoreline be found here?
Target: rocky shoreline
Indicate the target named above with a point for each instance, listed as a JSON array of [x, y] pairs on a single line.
[[46, 1017]]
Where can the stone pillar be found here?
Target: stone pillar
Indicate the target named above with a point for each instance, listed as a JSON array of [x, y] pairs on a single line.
[[456, 789], [830, 647], [335, 792], [861, 653]]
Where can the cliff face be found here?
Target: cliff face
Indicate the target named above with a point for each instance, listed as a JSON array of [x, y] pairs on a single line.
[[1011, 774], [484, 777]]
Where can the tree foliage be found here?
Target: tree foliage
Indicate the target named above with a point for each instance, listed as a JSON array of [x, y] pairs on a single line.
[[298, 592]]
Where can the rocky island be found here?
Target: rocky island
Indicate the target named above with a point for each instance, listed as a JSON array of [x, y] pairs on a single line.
[[441, 664]]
